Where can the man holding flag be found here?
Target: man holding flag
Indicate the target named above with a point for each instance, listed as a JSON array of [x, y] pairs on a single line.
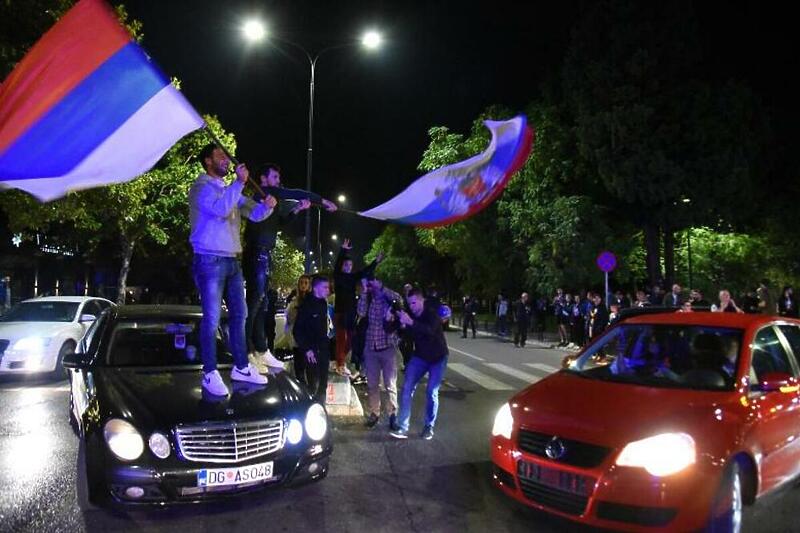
[[215, 211]]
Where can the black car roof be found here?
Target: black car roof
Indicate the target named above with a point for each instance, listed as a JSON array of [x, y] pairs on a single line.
[[158, 311]]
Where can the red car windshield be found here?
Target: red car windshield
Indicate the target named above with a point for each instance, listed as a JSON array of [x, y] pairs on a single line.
[[667, 355]]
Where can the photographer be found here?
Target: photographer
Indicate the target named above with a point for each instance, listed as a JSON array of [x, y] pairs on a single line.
[[380, 354]]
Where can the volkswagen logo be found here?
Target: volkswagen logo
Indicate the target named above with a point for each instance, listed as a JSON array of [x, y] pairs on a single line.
[[555, 448]]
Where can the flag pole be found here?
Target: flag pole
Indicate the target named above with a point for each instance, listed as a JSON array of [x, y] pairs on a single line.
[[232, 157]]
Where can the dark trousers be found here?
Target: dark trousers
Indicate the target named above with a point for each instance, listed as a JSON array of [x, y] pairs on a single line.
[[469, 320], [257, 278], [317, 375], [500, 325], [521, 333], [269, 326]]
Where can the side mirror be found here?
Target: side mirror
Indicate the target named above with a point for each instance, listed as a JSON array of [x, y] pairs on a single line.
[[72, 360], [778, 381], [87, 318]]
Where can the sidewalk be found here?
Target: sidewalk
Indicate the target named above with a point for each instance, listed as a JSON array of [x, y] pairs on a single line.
[[550, 337]]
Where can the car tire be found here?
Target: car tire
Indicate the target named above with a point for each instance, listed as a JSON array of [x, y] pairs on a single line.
[[727, 508], [87, 485], [58, 372]]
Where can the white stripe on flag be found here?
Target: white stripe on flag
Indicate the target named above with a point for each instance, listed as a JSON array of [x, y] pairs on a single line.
[[487, 382], [519, 374], [541, 366]]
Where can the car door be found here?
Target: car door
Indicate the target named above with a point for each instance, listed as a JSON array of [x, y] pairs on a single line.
[[82, 379], [777, 411]]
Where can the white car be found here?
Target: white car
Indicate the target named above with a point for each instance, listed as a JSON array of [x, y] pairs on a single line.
[[36, 334]]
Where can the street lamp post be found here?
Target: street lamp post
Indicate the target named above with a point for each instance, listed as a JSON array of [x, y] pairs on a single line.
[[255, 31]]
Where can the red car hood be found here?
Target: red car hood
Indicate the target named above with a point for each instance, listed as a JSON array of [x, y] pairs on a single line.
[[612, 414]]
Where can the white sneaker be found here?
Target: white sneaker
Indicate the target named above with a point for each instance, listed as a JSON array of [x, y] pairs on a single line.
[[343, 371], [249, 374], [258, 362], [212, 382], [270, 360]]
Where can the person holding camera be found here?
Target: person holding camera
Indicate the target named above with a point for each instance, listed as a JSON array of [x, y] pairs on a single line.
[[380, 354]]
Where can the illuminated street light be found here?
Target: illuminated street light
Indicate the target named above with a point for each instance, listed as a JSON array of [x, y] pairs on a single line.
[[341, 198], [254, 30], [372, 40], [334, 237]]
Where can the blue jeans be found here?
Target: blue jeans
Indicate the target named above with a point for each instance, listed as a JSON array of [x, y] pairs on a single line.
[[214, 274], [257, 275], [415, 369]]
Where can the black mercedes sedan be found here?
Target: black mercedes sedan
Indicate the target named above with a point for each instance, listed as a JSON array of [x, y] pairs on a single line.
[[149, 434]]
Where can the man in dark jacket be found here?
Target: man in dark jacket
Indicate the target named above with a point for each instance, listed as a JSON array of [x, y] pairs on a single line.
[[311, 335], [429, 357], [522, 320], [470, 309], [345, 282], [259, 241]]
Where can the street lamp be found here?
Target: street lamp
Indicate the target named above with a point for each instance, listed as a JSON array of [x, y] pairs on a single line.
[[371, 40], [254, 30], [334, 237], [341, 198]]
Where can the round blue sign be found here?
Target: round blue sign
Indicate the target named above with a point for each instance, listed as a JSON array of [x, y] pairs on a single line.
[[606, 261]]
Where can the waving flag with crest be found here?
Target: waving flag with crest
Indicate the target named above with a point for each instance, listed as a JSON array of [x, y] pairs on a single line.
[[458, 191], [86, 107]]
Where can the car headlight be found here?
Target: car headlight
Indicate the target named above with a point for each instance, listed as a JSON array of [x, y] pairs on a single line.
[[661, 455], [31, 344], [123, 439], [316, 422], [159, 445], [294, 432], [503, 422]]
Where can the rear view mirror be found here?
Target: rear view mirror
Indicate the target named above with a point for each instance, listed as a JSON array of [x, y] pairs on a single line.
[[777, 381], [72, 360]]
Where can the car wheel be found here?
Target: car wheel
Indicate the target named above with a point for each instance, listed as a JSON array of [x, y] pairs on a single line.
[[88, 486], [726, 513], [58, 372]]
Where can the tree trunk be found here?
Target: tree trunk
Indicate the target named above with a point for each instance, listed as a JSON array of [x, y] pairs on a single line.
[[669, 258], [652, 243], [122, 284]]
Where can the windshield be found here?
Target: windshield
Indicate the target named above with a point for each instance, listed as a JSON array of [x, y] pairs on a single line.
[[42, 312], [160, 342], [681, 356]]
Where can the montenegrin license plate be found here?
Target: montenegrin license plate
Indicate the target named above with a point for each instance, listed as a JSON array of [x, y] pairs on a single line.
[[219, 477]]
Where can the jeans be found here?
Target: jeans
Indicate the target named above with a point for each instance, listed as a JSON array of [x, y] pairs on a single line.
[[415, 370], [316, 375], [214, 274], [257, 274]]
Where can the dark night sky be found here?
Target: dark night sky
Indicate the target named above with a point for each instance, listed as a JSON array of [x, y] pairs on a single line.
[[444, 62]]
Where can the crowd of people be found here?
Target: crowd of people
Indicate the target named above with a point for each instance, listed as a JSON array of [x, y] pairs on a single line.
[[327, 321]]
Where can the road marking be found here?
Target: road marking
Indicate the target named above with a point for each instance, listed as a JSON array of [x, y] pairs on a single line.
[[487, 382], [64, 388], [541, 366], [465, 353], [519, 374]]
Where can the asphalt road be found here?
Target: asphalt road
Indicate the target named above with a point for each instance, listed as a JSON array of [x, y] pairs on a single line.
[[375, 482]]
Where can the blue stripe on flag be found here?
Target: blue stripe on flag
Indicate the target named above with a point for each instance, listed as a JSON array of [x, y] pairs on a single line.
[[87, 116]]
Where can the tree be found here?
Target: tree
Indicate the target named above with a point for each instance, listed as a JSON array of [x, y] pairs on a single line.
[[653, 133], [287, 265]]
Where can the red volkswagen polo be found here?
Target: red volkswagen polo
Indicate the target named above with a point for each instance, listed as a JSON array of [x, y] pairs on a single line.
[[680, 420]]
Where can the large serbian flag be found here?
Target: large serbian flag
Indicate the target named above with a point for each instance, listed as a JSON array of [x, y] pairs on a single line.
[[458, 191], [86, 107]]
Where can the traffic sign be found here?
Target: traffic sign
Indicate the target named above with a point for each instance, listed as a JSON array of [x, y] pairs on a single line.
[[606, 261]]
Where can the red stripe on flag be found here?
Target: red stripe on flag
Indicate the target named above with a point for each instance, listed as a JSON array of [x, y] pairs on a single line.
[[80, 42]]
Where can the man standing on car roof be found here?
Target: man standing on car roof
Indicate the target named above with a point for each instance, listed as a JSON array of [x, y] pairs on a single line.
[[215, 211], [260, 238]]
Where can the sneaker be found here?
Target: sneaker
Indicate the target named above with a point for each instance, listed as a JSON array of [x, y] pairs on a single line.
[[427, 433], [354, 375], [270, 360], [248, 374], [360, 380], [372, 419], [393, 422], [399, 434], [343, 371], [257, 362], [212, 382]]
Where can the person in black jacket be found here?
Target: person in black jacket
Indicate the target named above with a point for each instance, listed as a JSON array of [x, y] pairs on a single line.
[[787, 304], [522, 320], [311, 335], [598, 317], [345, 282], [429, 357], [470, 309], [259, 241]]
